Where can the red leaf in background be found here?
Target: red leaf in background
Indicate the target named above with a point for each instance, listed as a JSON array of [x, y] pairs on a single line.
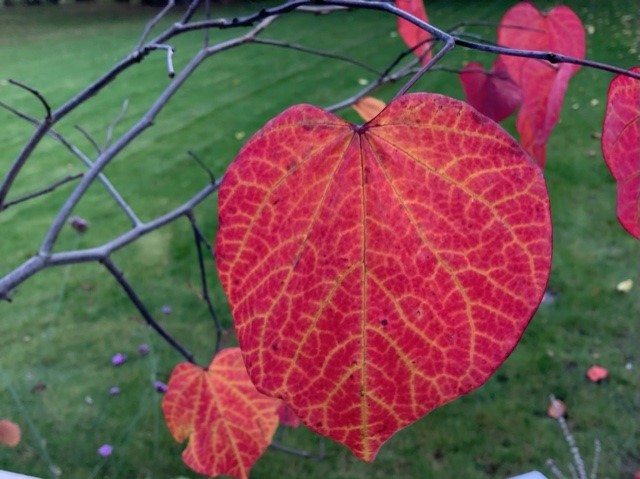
[[493, 94], [543, 84], [377, 272], [621, 147], [412, 34], [228, 423], [288, 417], [10, 433]]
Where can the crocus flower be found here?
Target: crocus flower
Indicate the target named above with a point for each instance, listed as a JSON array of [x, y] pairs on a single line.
[[160, 387], [144, 349], [118, 359], [105, 450]]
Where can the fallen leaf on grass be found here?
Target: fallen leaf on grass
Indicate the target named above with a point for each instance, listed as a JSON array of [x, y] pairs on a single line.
[[597, 373], [625, 286], [556, 409], [9, 433]]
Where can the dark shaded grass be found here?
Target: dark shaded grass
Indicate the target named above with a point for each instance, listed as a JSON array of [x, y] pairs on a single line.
[[66, 323]]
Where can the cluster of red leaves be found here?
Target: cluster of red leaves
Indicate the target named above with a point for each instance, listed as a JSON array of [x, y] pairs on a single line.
[[376, 272]]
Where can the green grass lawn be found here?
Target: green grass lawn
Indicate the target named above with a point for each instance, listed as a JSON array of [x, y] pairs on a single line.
[[64, 325]]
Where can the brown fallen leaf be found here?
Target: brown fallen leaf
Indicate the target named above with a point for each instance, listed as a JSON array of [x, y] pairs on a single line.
[[556, 409]]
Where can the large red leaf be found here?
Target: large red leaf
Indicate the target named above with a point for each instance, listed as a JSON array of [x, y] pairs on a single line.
[[229, 424], [493, 94], [377, 272], [543, 85], [412, 34], [621, 147]]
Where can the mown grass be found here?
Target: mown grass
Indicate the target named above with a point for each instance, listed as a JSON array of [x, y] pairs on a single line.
[[58, 336]]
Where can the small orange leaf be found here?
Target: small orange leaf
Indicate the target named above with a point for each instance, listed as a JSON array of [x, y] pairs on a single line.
[[9, 433], [368, 107], [556, 409], [597, 373], [229, 424]]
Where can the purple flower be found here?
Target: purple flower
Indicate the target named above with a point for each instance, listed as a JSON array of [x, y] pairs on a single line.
[[105, 450], [118, 359], [166, 309], [114, 391], [79, 224], [160, 387], [144, 349]]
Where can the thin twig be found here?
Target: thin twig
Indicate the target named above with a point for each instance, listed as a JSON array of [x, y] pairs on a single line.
[[39, 262], [43, 191], [114, 123], [555, 470], [202, 165], [89, 138], [153, 22], [37, 94], [314, 51], [299, 452], [148, 317], [597, 450], [79, 154], [199, 238], [435, 59], [169, 49]]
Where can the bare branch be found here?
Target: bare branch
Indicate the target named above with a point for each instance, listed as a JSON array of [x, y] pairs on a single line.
[[43, 191], [41, 261], [199, 239], [169, 49], [36, 93], [154, 21], [314, 51], [144, 311], [116, 120], [89, 138], [79, 154]]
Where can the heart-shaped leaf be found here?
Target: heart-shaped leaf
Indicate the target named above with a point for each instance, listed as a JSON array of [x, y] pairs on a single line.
[[621, 147], [493, 94], [543, 85], [414, 36], [228, 423], [377, 272]]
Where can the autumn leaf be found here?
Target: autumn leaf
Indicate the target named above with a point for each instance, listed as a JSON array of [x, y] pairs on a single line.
[[556, 409], [621, 147], [377, 272], [543, 84], [228, 423], [368, 107], [493, 94], [597, 373], [415, 37], [10, 433]]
